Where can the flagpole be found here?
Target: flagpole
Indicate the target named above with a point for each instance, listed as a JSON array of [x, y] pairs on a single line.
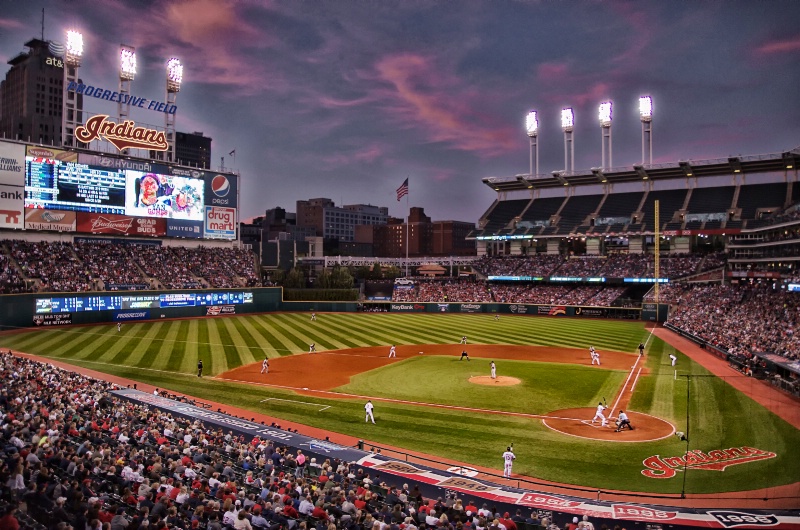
[[408, 229]]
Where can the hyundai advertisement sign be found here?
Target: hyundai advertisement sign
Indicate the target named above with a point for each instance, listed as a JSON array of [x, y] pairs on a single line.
[[184, 228]]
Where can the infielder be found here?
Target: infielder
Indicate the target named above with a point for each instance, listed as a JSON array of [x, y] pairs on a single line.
[[313, 317], [312, 348], [599, 415], [508, 460], [464, 339], [673, 359], [464, 354], [368, 408], [265, 366], [494, 370], [595, 356], [392, 351]]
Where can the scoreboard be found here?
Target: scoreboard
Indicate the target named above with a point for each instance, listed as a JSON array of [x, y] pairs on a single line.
[[70, 304], [72, 186]]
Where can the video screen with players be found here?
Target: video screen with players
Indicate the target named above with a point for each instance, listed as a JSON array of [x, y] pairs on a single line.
[[60, 185], [163, 196]]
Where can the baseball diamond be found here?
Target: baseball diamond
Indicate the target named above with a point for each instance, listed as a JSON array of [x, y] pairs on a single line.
[[547, 414]]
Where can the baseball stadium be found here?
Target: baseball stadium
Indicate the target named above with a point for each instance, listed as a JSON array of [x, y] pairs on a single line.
[[625, 334]]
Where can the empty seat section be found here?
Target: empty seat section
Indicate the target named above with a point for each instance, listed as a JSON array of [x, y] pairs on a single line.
[[670, 201], [621, 204], [503, 213], [711, 200], [543, 209], [755, 196], [576, 210]]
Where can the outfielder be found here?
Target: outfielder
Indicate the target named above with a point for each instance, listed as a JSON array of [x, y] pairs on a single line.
[[313, 317], [119, 326], [599, 415], [673, 358], [368, 408], [265, 366], [508, 460], [392, 351], [494, 370]]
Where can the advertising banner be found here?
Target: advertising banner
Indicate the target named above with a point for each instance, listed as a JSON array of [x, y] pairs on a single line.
[[519, 309], [12, 164], [552, 310], [214, 310], [53, 319], [12, 199], [407, 308], [593, 312], [124, 316], [220, 223], [49, 153], [98, 223], [56, 220], [111, 162], [471, 308], [183, 228], [221, 190]]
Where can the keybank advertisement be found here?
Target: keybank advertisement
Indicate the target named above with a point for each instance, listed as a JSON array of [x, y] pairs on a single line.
[[12, 164], [11, 206], [183, 228]]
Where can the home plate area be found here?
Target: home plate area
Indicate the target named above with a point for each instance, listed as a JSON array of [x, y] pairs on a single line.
[[578, 422]]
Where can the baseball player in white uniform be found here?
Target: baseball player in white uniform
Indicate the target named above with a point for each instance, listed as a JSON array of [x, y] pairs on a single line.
[[265, 366], [464, 339], [313, 317], [312, 348], [119, 326], [393, 351], [508, 460], [599, 415], [673, 358], [368, 408], [595, 356], [494, 370]]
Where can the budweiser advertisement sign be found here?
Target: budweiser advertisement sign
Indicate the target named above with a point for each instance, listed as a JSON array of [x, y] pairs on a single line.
[[122, 135], [121, 225], [716, 460]]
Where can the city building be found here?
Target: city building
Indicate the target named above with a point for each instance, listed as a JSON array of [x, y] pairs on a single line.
[[31, 95], [425, 237], [193, 149], [332, 222]]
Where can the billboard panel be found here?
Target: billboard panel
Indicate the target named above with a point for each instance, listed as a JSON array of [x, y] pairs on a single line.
[[183, 228], [12, 164], [120, 225], [220, 223], [221, 190], [163, 196], [111, 162], [50, 153], [57, 220], [11, 206]]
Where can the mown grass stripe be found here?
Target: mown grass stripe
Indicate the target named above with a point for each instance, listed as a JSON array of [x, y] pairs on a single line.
[[276, 346], [199, 332], [136, 349], [154, 346], [221, 361], [243, 343], [299, 342], [168, 347], [260, 345], [187, 361]]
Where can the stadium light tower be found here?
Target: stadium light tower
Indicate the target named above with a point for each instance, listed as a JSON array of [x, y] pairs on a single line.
[[532, 128], [605, 132], [72, 103], [174, 80], [567, 125], [127, 71], [646, 116]]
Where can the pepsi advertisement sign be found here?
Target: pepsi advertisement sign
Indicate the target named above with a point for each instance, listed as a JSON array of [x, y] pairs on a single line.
[[184, 228], [221, 190]]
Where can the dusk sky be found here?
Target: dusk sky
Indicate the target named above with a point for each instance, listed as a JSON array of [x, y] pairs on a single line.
[[347, 98]]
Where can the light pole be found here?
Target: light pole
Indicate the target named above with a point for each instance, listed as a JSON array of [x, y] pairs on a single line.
[[646, 116], [532, 128], [127, 71], [567, 124], [72, 101], [605, 132], [174, 80]]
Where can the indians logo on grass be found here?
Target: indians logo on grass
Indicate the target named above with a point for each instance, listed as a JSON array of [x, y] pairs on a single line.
[[716, 460]]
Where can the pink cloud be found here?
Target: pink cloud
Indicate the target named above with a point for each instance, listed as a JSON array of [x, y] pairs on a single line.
[[551, 70], [426, 96], [7, 23], [780, 46], [367, 154]]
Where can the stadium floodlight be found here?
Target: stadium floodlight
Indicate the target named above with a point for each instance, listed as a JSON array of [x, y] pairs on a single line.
[[686, 167], [174, 75], [532, 123], [598, 172], [736, 164], [641, 171], [567, 119], [646, 108], [127, 62], [788, 160], [605, 114], [74, 48]]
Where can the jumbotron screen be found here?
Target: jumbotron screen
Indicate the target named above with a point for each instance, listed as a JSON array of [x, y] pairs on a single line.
[[163, 196], [63, 185]]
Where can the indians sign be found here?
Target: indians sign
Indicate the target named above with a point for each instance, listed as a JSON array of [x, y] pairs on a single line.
[[122, 135], [716, 460]]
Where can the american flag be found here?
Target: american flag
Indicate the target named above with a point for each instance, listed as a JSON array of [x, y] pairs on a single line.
[[402, 191]]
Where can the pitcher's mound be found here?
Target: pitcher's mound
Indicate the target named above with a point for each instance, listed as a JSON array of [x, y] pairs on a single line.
[[500, 380]]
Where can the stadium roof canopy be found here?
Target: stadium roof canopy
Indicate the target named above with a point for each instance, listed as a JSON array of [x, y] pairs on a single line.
[[638, 173]]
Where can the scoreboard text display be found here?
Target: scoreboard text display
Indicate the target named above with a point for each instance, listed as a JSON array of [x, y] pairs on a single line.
[[68, 186], [72, 304]]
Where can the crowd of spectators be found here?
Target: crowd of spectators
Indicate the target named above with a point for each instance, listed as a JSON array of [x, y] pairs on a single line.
[[53, 263], [74, 457], [610, 266], [482, 291], [444, 291], [102, 265], [739, 319]]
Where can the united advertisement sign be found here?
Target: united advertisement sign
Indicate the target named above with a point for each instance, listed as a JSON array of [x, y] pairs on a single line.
[[55, 220], [100, 223], [184, 228], [12, 164]]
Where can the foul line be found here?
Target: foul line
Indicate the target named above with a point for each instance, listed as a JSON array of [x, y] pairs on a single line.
[[619, 396], [295, 401], [636, 379], [402, 401]]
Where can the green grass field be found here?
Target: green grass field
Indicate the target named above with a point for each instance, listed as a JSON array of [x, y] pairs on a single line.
[[165, 354]]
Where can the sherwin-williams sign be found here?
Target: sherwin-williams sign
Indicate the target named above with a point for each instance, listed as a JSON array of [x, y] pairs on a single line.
[[12, 164]]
